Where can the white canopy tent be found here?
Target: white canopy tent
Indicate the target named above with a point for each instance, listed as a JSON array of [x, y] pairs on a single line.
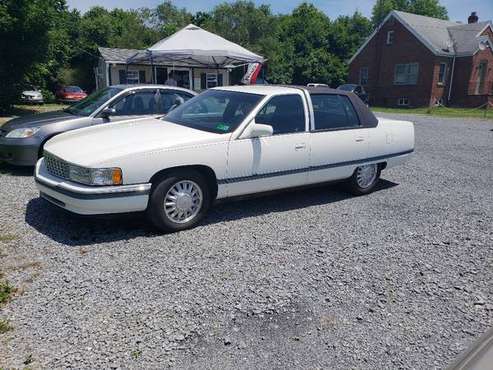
[[194, 47]]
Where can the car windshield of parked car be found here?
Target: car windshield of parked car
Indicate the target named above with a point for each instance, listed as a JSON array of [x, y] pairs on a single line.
[[73, 89], [215, 111], [88, 105], [347, 87]]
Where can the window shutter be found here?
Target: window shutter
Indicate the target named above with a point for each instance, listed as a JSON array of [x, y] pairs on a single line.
[[142, 77], [122, 74], [219, 79], [203, 81]]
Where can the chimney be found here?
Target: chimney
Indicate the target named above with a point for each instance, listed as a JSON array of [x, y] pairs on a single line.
[[473, 18]]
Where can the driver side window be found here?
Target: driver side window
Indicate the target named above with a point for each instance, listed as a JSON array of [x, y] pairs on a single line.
[[137, 103], [285, 113]]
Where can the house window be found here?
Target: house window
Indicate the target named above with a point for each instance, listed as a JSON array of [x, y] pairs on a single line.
[[130, 77], [480, 82], [403, 102], [406, 74], [363, 76], [390, 37], [211, 80], [442, 73], [133, 77]]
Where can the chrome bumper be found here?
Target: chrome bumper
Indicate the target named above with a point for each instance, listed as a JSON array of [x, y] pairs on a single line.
[[87, 200]]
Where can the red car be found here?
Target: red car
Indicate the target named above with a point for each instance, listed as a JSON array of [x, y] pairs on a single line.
[[70, 94]]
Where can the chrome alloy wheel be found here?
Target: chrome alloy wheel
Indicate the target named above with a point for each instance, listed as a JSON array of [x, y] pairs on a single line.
[[366, 175], [183, 201]]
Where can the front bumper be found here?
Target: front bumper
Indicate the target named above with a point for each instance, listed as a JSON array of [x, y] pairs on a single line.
[[20, 152], [90, 200], [32, 100]]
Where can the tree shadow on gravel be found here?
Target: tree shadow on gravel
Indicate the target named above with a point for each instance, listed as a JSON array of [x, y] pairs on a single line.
[[73, 230], [7, 169]]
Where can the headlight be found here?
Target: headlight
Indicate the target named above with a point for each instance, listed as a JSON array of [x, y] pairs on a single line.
[[21, 133], [95, 176]]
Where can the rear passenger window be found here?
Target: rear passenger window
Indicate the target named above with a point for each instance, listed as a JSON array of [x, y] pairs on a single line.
[[285, 113], [333, 112]]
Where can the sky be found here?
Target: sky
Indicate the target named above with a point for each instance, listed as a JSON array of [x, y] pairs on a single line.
[[458, 10]]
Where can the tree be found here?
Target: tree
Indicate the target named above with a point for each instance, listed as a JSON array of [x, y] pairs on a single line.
[[243, 23], [102, 28], [347, 33], [26, 31], [252, 27], [304, 36], [166, 19], [430, 8]]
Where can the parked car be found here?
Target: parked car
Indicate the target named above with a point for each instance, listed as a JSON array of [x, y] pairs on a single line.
[[226, 142], [22, 139], [70, 94], [358, 90], [32, 95]]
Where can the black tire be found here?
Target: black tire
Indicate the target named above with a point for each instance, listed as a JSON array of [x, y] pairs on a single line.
[[354, 186], [156, 210]]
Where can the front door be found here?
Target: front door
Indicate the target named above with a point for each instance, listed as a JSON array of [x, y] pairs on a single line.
[[182, 78], [272, 162], [338, 140], [161, 75]]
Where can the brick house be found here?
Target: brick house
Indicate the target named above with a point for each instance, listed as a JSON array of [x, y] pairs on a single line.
[[412, 60]]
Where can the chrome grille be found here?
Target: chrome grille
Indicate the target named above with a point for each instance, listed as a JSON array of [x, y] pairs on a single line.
[[56, 166]]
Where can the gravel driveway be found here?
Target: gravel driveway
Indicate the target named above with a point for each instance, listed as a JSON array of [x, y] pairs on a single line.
[[315, 278]]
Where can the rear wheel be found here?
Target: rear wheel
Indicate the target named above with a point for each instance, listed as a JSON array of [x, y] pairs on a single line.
[[179, 201], [364, 179]]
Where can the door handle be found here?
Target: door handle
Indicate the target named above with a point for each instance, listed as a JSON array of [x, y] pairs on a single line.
[[360, 139], [300, 146]]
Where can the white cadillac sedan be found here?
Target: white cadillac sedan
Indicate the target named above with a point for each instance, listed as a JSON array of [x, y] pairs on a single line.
[[226, 142]]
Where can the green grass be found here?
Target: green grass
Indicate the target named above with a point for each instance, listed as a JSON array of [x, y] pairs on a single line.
[[440, 111], [28, 109], [5, 326], [7, 237], [6, 291]]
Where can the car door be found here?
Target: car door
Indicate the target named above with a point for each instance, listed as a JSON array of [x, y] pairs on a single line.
[[136, 103], [338, 140], [272, 162]]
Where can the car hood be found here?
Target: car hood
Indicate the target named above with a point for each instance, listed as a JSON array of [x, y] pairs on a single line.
[[98, 145], [40, 119]]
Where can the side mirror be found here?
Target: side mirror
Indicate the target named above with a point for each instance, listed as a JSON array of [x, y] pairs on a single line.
[[257, 130], [178, 101], [107, 112]]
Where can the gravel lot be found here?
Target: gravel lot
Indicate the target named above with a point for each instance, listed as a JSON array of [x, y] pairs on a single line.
[[315, 278]]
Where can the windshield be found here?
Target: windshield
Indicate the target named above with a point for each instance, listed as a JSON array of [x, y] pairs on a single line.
[[347, 87], [73, 89], [215, 111], [88, 105]]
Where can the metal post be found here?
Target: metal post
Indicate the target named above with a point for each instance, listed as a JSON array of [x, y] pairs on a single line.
[[153, 77], [193, 79]]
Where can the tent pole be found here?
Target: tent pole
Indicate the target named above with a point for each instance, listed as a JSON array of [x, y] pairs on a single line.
[[153, 74], [193, 79]]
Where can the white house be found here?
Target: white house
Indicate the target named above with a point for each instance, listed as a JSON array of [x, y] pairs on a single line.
[[198, 59]]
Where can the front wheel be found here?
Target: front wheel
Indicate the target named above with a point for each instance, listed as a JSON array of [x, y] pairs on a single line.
[[179, 201], [364, 179]]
